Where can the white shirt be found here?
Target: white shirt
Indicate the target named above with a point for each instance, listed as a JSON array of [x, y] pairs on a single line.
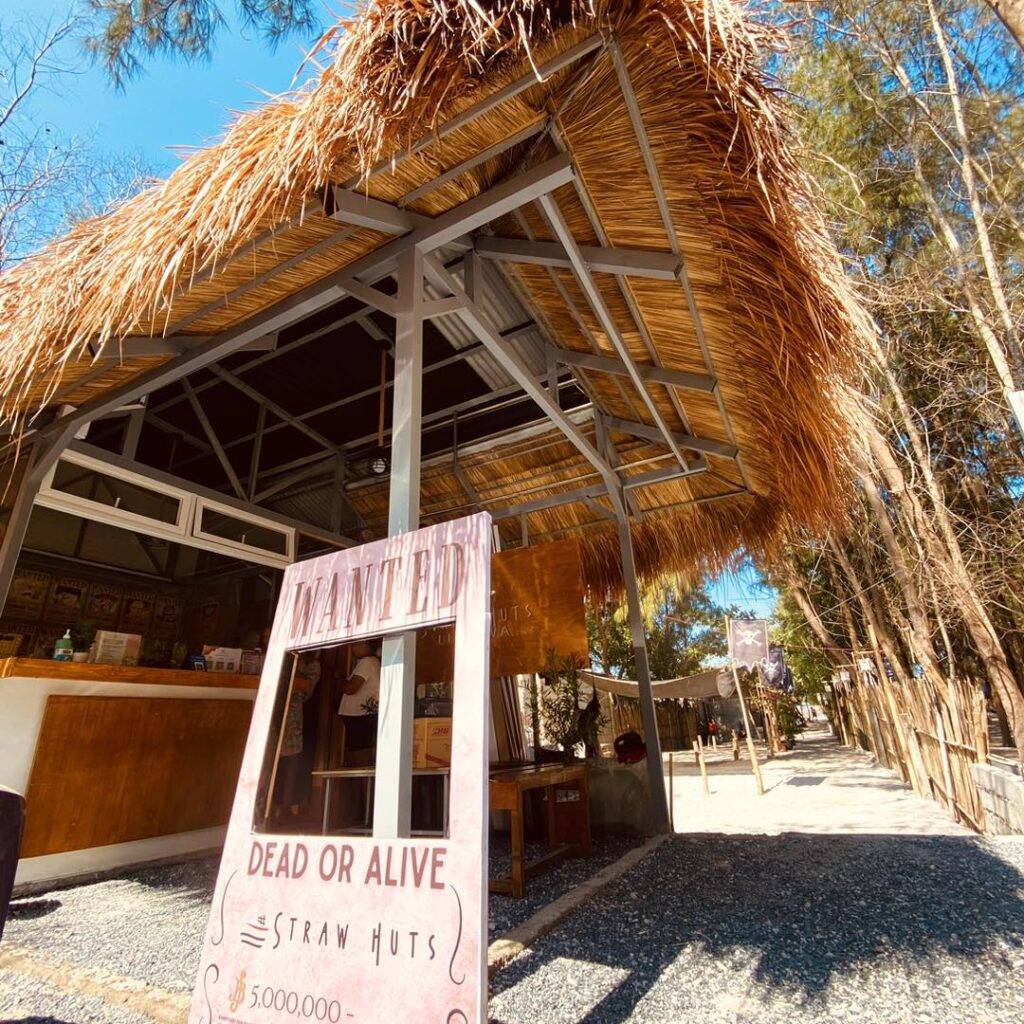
[[368, 669]]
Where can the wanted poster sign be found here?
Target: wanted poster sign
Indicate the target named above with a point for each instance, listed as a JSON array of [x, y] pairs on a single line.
[[362, 929]]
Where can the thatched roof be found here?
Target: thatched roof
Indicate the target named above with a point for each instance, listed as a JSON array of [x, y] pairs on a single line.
[[238, 227]]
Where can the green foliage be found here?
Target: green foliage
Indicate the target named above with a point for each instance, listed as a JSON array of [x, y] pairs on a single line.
[[565, 717], [810, 666], [684, 630], [129, 31]]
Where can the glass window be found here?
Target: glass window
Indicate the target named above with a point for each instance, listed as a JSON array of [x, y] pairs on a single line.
[[69, 478], [215, 523]]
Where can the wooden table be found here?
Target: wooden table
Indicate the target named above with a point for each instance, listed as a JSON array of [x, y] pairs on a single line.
[[507, 789]]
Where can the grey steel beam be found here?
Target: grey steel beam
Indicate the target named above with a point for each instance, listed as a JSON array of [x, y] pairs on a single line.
[[586, 494], [660, 266], [697, 444], [664, 476], [324, 245], [276, 353], [257, 451], [392, 811], [352, 207], [472, 162], [378, 334], [132, 431], [497, 201], [648, 714], [624, 290], [600, 308], [43, 452], [607, 446], [502, 198], [479, 323], [510, 91], [574, 312], [211, 436], [481, 404], [605, 364], [651, 166], [277, 410], [370, 295]]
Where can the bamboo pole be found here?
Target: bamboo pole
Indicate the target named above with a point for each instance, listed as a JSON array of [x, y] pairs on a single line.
[[671, 792], [735, 746], [947, 770], [754, 766], [698, 749]]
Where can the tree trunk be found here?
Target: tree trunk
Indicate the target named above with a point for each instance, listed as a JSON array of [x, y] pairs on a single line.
[[1011, 14], [920, 626], [958, 579]]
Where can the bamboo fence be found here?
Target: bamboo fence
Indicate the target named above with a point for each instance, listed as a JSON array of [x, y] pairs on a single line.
[[930, 739]]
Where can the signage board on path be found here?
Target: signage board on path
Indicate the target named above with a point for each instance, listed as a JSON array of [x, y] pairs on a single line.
[[361, 928]]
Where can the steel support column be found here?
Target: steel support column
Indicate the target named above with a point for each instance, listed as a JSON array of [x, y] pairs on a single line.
[[43, 454], [655, 771], [393, 801]]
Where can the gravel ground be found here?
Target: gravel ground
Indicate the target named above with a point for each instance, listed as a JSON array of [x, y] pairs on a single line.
[[854, 902], [793, 928], [22, 1001], [149, 925]]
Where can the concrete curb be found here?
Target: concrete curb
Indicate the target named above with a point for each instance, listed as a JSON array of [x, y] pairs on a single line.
[[160, 1005], [515, 941]]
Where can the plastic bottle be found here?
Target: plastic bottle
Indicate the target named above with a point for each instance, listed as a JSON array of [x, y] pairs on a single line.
[[63, 649]]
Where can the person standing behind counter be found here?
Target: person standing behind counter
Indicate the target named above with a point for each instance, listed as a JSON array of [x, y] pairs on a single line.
[[360, 703]]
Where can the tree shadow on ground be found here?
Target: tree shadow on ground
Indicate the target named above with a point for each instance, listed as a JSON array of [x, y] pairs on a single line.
[[802, 909], [29, 910]]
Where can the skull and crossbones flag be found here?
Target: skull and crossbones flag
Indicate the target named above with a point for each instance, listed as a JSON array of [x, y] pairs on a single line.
[[748, 642]]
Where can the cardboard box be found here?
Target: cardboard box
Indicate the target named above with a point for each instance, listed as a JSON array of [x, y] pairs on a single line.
[[222, 659], [432, 743], [251, 662], [117, 648]]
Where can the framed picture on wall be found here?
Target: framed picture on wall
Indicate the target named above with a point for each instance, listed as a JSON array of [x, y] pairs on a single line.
[[167, 611], [28, 593], [137, 612], [104, 604], [67, 599]]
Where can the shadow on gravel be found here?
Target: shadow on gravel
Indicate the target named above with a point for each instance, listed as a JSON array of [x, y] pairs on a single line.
[[29, 910], [36, 1020], [801, 909]]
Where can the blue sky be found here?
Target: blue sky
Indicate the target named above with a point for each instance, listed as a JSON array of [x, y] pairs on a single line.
[[173, 105]]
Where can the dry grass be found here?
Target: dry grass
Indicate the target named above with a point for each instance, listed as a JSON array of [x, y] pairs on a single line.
[[783, 327]]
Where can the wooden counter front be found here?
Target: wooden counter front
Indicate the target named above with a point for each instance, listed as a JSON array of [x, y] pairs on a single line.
[[39, 668]]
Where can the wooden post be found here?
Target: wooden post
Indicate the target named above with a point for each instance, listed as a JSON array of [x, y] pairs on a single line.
[[947, 770], [735, 746], [671, 790], [754, 766], [698, 749]]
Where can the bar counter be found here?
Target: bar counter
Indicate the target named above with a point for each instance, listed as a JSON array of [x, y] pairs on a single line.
[[119, 765]]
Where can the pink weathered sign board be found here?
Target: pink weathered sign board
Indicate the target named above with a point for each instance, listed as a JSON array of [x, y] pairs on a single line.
[[360, 928]]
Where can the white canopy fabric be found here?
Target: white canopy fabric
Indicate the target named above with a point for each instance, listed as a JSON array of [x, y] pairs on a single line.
[[715, 682]]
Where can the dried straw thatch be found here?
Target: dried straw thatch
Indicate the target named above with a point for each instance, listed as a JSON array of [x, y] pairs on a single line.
[[192, 254]]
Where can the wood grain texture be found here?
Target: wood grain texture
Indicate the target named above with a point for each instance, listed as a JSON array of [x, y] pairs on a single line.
[[536, 607], [40, 668], [112, 770]]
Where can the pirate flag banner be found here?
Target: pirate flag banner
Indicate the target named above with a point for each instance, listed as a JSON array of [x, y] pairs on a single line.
[[748, 642]]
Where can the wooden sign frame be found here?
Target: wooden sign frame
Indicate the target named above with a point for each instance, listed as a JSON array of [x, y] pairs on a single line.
[[363, 928]]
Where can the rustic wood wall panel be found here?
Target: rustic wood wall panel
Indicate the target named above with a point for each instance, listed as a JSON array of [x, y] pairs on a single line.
[[114, 769], [536, 606]]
